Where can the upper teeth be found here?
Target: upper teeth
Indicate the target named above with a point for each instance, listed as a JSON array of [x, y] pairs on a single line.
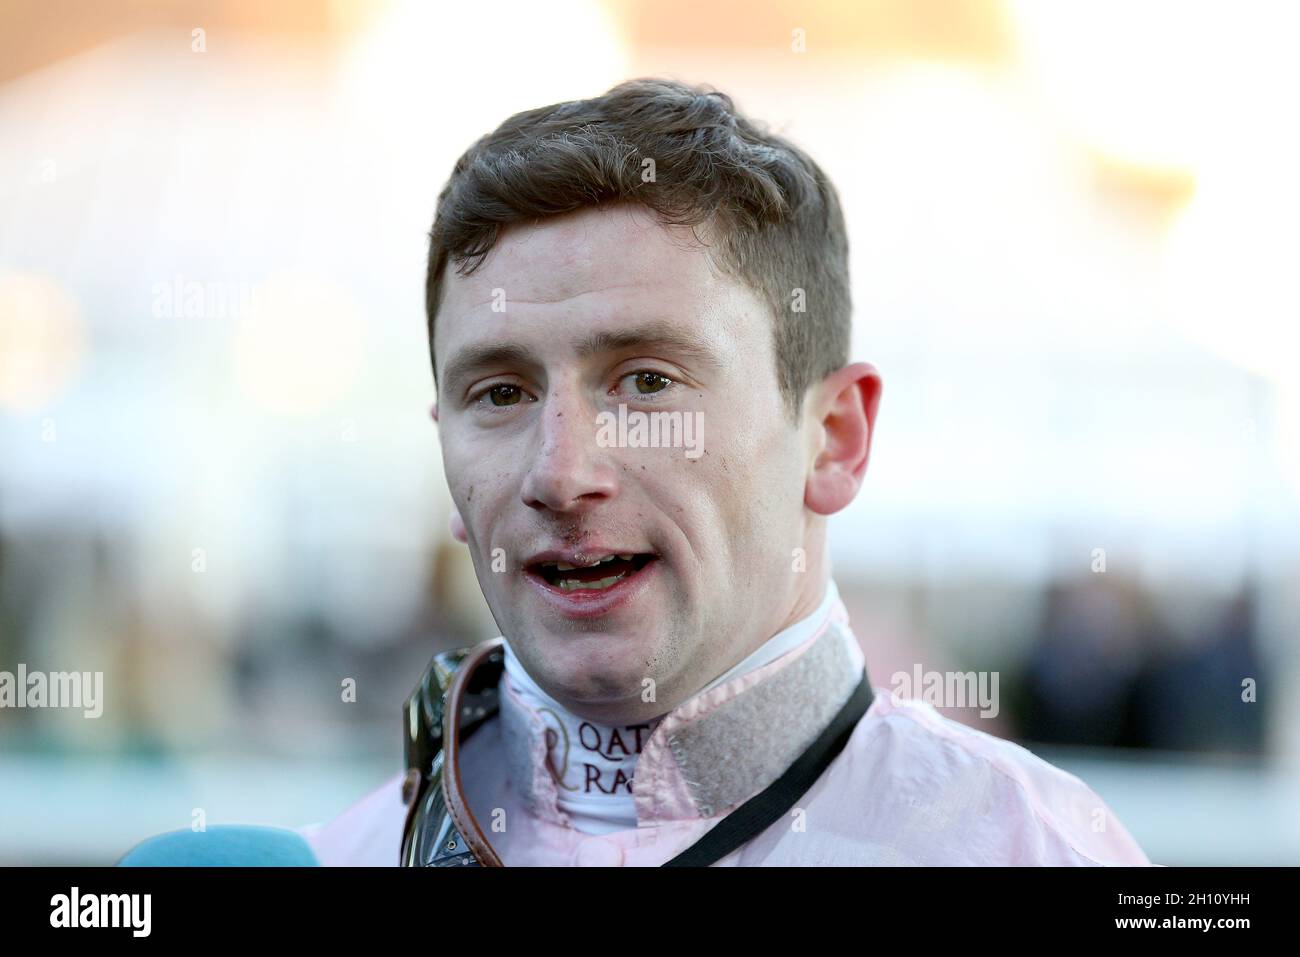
[[566, 567]]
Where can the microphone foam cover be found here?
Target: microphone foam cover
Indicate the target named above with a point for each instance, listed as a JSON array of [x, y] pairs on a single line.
[[226, 845]]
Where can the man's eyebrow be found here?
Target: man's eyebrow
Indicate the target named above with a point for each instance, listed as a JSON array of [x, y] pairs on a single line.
[[472, 358], [649, 335], [654, 334]]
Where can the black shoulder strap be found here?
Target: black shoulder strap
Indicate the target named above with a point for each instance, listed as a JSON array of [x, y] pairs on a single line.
[[772, 803]]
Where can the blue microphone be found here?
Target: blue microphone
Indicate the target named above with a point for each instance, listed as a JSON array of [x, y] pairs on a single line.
[[226, 845]]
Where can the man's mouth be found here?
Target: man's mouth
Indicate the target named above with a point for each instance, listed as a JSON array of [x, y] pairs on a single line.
[[599, 574]]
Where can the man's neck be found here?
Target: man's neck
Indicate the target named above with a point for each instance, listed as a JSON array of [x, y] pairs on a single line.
[[786, 638]]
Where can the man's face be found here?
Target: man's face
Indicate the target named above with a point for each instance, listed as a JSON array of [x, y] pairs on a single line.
[[571, 318]]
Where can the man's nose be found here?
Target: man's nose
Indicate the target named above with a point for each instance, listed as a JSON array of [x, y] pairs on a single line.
[[569, 472]]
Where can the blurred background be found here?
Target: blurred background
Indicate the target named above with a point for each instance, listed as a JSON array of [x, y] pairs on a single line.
[[1074, 241]]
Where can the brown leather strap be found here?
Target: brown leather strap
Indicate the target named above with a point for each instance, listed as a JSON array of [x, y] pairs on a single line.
[[457, 806]]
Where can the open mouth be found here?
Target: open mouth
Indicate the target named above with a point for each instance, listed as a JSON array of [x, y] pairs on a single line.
[[599, 575]]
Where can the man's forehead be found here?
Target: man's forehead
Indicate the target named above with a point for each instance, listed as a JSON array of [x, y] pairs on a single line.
[[598, 248]]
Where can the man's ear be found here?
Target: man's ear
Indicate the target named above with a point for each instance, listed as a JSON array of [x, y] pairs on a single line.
[[433, 410], [458, 527], [844, 408]]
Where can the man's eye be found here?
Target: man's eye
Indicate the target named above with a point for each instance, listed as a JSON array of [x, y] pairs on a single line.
[[504, 394], [648, 383]]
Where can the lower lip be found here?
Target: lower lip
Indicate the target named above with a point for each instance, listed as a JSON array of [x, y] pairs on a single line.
[[594, 602]]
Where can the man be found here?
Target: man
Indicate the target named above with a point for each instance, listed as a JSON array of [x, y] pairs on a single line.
[[639, 322]]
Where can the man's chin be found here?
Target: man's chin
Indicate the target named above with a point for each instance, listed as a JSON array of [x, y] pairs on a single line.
[[594, 669]]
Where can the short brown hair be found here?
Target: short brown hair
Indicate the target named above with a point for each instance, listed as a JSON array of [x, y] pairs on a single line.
[[778, 220]]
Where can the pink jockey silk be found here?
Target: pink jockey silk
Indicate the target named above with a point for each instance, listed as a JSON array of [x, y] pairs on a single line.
[[911, 787]]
